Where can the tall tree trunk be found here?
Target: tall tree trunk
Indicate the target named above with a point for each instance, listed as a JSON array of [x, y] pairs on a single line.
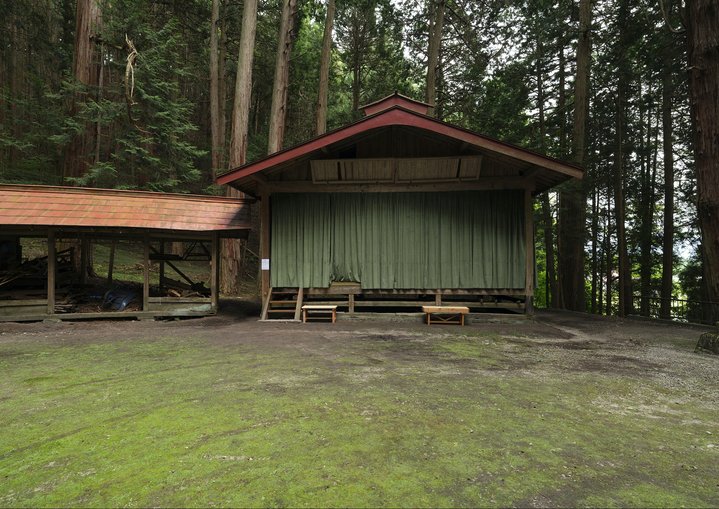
[[703, 51], [325, 59], [646, 226], [562, 102], [434, 44], [609, 264], [572, 210], [667, 148], [595, 249], [215, 116], [231, 248], [551, 298], [88, 22], [278, 109], [356, 82], [625, 277]]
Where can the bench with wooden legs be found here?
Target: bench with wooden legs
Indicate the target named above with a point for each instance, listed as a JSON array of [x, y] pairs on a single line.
[[445, 314], [327, 312]]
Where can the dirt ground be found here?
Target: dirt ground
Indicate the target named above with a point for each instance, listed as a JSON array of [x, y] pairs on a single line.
[[559, 409]]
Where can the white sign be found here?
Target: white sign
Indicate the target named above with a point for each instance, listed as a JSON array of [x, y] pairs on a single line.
[[265, 264]]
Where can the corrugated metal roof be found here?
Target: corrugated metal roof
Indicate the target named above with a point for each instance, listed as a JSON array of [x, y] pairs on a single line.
[[108, 208]]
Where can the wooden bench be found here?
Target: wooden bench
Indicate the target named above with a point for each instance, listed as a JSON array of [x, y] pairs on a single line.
[[317, 309], [445, 314]]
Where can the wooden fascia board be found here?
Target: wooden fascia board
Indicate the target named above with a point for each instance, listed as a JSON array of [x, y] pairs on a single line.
[[481, 184], [400, 117]]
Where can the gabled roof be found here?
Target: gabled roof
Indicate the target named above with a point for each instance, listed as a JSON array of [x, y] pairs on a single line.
[[26, 205], [396, 99], [396, 110]]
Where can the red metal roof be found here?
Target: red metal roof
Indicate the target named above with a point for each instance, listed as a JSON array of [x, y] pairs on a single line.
[[107, 208], [399, 115], [396, 99]]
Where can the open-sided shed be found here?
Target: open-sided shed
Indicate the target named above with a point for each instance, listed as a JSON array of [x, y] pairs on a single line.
[[396, 209], [68, 221]]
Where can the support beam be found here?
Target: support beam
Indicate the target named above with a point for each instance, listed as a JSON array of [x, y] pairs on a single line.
[[481, 184], [111, 263], [84, 248], [51, 271], [162, 265], [215, 272], [265, 243], [146, 272]]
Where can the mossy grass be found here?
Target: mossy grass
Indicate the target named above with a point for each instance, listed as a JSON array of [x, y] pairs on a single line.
[[440, 421]]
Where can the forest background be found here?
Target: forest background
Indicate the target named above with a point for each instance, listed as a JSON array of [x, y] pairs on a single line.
[[164, 94]]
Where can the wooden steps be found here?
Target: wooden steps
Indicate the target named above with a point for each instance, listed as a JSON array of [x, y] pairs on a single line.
[[283, 304]]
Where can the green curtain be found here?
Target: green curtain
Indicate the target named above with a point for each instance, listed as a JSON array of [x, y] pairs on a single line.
[[472, 239]]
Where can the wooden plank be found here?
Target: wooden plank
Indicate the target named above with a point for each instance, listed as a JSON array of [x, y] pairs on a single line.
[[298, 305], [119, 315], [445, 309], [481, 184], [51, 270], [265, 226], [266, 305], [146, 272]]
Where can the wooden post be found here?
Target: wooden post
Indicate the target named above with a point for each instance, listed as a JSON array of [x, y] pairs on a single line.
[[84, 245], [529, 249], [265, 242], [438, 298], [351, 304], [162, 265], [146, 272], [215, 272], [51, 269], [111, 262]]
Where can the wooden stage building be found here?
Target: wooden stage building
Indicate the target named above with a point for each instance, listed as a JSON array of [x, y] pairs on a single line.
[[396, 210]]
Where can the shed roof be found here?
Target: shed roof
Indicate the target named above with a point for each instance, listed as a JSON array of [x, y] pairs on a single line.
[[51, 206], [396, 111]]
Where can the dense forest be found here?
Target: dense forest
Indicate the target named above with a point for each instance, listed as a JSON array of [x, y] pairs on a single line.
[[165, 94]]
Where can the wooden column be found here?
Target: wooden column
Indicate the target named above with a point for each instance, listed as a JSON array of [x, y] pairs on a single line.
[[529, 249], [265, 242], [84, 246], [51, 270], [111, 263], [215, 272], [162, 265], [146, 272]]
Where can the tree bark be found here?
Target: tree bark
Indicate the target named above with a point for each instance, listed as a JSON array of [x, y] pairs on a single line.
[[572, 211], [551, 297], [625, 278], [231, 248], [434, 44], [325, 59], [278, 109], [215, 116], [88, 22], [647, 205], [668, 234], [703, 51]]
